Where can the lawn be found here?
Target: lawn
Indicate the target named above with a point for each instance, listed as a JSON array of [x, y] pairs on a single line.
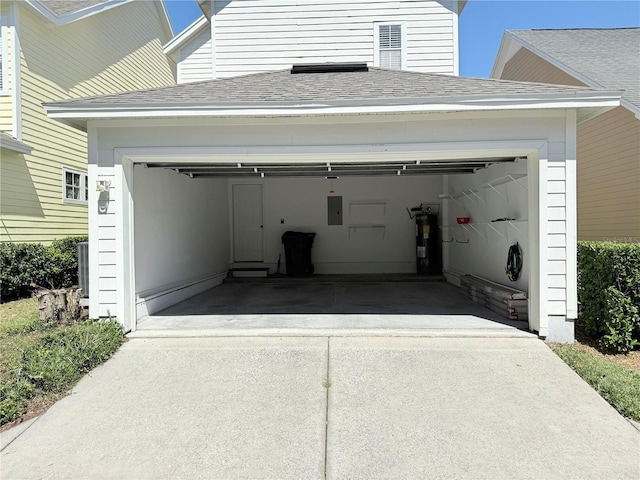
[[615, 377], [41, 361]]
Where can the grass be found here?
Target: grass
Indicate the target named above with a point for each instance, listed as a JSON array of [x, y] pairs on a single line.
[[41, 361], [618, 385]]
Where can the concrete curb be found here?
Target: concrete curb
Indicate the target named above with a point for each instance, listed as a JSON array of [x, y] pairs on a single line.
[[10, 435], [333, 332]]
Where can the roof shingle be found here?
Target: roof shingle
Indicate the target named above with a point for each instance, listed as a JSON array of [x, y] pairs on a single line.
[[281, 87], [610, 58], [62, 7]]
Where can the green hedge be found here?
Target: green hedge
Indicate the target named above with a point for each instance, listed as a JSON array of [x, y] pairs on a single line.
[[23, 264], [609, 293]]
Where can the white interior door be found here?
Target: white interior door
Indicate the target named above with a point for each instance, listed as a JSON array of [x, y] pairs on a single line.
[[247, 223]]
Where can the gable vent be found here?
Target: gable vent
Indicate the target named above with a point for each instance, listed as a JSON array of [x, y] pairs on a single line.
[[329, 67]]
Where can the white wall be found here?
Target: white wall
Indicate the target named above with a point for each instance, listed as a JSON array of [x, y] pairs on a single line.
[[195, 62], [254, 36], [181, 230], [356, 246], [477, 248], [463, 134]]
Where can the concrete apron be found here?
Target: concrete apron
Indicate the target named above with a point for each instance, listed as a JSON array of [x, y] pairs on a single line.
[[188, 408], [330, 308]]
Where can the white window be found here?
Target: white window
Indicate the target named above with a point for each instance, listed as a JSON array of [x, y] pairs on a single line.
[[390, 48], [4, 85], [75, 186]]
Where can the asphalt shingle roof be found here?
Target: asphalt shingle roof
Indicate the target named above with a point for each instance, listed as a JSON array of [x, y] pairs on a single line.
[[61, 7], [283, 87], [609, 58]]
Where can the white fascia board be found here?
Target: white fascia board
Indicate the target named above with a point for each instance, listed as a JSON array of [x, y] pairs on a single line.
[[185, 36], [164, 17], [57, 21], [506, 51], [15, 145], [583, 100], [78, 117], [632, 107]]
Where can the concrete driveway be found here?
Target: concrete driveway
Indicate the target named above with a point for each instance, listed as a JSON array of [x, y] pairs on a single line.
[[495, 408]]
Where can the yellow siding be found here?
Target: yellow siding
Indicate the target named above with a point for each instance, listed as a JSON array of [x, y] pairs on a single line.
[[114, 51], [6, 104], [609, 177], [526, 66], [608, 151]]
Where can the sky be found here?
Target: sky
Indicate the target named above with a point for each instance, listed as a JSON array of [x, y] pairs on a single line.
[[482, 22]]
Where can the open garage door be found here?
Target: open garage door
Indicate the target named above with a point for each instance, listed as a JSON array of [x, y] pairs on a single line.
[[375, 236]]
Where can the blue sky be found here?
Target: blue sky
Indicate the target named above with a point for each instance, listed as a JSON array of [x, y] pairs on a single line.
[[483, 21]]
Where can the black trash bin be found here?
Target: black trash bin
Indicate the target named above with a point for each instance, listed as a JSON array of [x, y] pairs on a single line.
[[297, 253]]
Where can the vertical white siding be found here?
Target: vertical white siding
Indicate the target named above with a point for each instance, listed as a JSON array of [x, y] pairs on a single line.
[[194, 59], [255, 36]]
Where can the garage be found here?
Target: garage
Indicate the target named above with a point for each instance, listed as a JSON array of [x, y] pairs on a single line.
[[198, 180]]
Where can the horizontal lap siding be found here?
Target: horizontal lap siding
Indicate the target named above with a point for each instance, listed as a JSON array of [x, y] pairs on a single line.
[[609, 177], [526, 66], [195, 62], [117, 50], [556, 230], [608, 154], [283, 33]]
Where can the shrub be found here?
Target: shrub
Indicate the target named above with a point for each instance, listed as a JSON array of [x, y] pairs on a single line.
[[22, 264], [65, 355], [55, 361], [609, 293]]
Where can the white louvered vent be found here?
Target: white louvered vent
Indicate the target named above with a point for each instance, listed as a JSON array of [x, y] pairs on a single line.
[[390, 37]]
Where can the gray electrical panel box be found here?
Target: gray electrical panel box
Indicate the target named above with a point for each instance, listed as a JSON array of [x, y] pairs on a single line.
[[334, 210]]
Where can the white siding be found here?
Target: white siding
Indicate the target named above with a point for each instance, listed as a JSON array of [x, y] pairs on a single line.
[[195, 62], [489, 251], [254, 36]]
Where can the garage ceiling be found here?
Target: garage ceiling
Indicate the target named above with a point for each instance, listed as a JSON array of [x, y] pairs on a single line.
[[328, 169]]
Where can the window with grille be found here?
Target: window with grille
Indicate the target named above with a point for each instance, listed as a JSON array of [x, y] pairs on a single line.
[[390, 48], [76, 185]]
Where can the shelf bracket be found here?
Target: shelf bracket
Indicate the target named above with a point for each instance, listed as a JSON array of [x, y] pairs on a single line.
[[517, 228], [497, 231], [497, 191]]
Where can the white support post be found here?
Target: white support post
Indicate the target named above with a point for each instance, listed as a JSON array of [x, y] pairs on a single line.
[[571, 206], [94, 222], [125, 298]]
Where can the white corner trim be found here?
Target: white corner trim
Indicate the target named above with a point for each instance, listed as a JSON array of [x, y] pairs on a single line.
[[4, 35], [185, 36], [94, 230], [571, 215], [456, 43], [16, 67], [214, 49]]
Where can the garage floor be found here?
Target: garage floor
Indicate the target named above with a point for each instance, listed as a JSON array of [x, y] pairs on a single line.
[[351, 305]]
